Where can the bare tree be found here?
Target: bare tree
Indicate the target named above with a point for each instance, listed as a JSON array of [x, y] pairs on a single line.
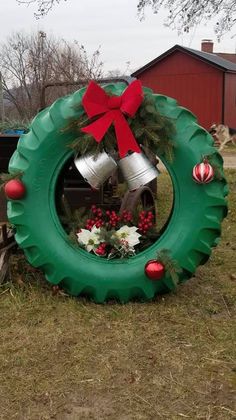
[[185, 14], [43, 6], [119, 73], [29, 62]]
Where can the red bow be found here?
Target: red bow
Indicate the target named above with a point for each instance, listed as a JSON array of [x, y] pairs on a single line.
[[96, 102]]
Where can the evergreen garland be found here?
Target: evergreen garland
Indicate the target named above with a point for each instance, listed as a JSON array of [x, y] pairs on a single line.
[[149, 127]]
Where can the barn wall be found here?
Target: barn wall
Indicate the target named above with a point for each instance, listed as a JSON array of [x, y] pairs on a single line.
[[230, 100], [195, 84]]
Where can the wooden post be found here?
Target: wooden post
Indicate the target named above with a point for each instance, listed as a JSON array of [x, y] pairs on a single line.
[[3, 207], [6, 243]]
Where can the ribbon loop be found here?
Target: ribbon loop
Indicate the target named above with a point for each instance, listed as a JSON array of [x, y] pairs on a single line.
[[111, 109]]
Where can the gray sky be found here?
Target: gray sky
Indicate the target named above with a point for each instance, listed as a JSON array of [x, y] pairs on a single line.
[[112, 24]]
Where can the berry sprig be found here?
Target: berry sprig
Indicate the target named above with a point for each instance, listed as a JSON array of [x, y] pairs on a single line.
[[101, 249], [96, 218], [145, 221], [126, 216], [113, 218]]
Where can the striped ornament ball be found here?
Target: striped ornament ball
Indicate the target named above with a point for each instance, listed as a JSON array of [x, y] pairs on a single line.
[[203, 173]]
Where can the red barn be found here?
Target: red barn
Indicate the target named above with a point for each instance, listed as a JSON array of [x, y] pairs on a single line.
[[203, 82]]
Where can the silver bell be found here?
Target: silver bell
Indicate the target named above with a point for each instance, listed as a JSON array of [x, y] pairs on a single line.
[[95, 169], [137, 170]]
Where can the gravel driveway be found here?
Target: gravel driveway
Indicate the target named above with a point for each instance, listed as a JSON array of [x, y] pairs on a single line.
[[229, 160]]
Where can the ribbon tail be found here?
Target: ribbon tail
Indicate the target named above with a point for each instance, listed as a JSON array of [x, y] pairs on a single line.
[[125, 138], [98, 128]]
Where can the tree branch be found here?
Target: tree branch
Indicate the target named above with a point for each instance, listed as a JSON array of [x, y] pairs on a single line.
[[184, 15], [43, 6]]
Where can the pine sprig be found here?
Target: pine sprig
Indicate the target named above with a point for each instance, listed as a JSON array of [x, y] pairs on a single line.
[[218, 170], [85, 144], [73, 238], [172, 267], [6, 177], [73, 221]]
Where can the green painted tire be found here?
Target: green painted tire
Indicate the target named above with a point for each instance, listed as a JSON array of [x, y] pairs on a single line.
[[193, 229]]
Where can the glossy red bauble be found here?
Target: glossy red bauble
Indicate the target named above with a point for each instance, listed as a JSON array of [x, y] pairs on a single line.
[[203, 173], [154, 270], [14, 189]]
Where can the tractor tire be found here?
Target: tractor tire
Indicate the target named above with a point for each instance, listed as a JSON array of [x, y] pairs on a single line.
[[193, 229]]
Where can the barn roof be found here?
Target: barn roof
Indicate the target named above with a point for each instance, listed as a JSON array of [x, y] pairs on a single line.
[[210, 58], [227, 56]]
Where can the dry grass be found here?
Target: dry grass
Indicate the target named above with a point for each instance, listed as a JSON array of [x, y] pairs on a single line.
[[174, 358], [229, 148]]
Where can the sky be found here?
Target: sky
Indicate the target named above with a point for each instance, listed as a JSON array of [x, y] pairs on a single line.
[[112, 25]]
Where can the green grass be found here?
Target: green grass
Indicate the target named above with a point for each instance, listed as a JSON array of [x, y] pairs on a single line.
[[174, 358]]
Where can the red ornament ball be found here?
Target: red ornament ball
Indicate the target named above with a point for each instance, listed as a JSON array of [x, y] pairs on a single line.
[[14, 189], [154, 270], [203, 173]]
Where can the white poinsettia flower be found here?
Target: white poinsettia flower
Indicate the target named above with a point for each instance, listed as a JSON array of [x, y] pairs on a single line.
[[129, 234], [90, 239], [96, 230]]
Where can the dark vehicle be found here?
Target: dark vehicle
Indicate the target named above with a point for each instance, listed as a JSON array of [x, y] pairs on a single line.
[[8, 144], [77, 192]]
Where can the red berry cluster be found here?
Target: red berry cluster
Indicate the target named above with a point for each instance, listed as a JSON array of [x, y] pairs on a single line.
[[113, 218], [127, 216], [101, 249], [96, 218], [145, 221]]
